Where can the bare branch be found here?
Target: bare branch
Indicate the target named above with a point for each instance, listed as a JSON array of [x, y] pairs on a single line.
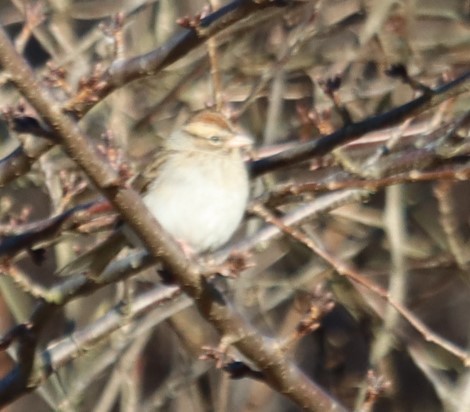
[[352, 131], [210, 302]]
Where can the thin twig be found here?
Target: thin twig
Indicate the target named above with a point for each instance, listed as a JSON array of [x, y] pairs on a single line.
[[124, 71], [281, 374], [345, 270], [352, 131]]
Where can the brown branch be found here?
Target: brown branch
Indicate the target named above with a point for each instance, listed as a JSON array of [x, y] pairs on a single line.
[[23, 378], [65, 349], [17, 381], [280, 374], [31, 234], [450, 224], [79, 285], [345, 270], [445, 173], [124, 71], [355, 130], [22, 158]]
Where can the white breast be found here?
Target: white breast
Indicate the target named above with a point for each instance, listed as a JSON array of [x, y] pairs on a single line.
[[200, 203]]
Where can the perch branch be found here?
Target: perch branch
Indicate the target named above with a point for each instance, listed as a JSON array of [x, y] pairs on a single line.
[[281, 375]]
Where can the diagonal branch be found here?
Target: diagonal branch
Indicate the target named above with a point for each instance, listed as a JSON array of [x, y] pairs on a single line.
[[280, 373], [124, 71], [353, 131]]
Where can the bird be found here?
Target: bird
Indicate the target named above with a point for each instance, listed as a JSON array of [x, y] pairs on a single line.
[[196, 186]]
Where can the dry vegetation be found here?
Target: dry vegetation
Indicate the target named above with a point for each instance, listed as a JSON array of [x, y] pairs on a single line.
[[353, 263]]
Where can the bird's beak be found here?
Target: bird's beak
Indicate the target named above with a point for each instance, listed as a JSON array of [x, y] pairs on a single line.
[[240, 141]]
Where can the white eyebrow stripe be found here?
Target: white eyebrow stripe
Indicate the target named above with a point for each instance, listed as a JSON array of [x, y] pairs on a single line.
[[200, 129]]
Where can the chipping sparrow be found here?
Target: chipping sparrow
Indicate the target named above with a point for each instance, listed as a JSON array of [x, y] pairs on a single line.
[[197, 188]]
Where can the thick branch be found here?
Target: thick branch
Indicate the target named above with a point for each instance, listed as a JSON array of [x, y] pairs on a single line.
[[124, 71], [281, 375]]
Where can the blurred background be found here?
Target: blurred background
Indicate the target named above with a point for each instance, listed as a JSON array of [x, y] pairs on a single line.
[[274, 69]]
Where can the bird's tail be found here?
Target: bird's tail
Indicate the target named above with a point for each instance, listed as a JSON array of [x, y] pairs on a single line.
[[94, 261]]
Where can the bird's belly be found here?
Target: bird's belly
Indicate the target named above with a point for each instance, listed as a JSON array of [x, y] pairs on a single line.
[[202, 214]]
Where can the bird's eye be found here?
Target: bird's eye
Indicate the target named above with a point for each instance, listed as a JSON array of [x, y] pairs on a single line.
[[215, 139]]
